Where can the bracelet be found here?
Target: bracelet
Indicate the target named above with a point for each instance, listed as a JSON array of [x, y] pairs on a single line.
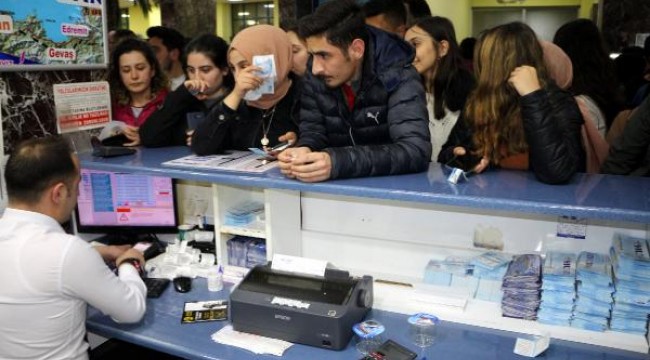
[[135, 263]]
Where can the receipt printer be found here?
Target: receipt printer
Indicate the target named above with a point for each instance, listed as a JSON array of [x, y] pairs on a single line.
[[305, 309]]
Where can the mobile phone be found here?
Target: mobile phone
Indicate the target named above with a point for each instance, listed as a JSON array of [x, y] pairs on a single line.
[[281, 146], [194, 119], [465, 162], [391, 350]]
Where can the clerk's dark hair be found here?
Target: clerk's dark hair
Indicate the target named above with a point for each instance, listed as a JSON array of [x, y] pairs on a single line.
[[35, 165], [340, 21], [215, 49]]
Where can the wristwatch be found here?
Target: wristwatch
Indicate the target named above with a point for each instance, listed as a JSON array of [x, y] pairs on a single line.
[[136, 264]]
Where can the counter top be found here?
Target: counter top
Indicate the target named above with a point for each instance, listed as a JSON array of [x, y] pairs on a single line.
[[606, 197], [161, 329]]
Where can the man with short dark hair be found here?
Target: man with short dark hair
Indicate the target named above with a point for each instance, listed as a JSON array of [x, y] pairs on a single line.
[[388, 15], [416, 9], [49, 276], [168, 45], [363, 109]]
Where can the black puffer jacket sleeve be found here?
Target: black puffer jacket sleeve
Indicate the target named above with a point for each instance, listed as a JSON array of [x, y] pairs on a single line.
[[167, 125], [552, 123], [629, 155], [408, 151], [313, 133]]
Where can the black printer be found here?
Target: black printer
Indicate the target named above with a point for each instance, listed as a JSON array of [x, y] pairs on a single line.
[[305, 309]]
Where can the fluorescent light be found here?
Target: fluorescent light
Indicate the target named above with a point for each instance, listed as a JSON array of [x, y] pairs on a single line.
[[269, 6], [251, 22], [243, 13], [125, 15]]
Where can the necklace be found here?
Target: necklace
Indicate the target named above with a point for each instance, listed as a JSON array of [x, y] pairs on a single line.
[[266, 127]]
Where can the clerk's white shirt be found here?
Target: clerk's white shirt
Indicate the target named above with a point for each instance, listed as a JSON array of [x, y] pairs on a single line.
[[46, 279]]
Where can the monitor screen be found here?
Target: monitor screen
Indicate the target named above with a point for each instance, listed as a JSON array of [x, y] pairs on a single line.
[[125, 203]]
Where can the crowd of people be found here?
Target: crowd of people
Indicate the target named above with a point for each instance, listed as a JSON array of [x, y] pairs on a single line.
[[346, 99], [379, 89]]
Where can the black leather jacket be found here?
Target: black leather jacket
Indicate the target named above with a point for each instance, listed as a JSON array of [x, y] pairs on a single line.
[[552, 123]]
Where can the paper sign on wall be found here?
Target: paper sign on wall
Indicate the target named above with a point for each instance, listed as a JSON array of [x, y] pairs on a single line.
[[82, 106]]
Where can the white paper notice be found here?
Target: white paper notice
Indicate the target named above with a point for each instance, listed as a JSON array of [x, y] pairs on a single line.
[[298, 265], [82, 106]]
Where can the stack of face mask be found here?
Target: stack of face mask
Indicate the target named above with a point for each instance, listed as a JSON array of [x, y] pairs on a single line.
[[558, 289], [244, 213], [631, 264], [490, 268], [521, 287], [594, 292], [453, 271]]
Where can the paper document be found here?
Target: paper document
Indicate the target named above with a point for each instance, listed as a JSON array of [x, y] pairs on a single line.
[[232, 161], [255, 343], [111, 129], [298, 265]]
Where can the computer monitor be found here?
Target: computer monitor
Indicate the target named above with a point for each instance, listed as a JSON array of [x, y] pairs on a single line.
[[127, 207]]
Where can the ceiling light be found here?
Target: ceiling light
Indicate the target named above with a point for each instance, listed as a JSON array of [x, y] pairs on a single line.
[[269, 6]]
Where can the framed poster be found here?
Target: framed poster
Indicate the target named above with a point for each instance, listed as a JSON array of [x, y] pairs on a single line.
[[52, 35]]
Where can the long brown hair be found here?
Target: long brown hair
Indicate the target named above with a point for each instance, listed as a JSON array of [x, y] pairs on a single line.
[[493, 110]]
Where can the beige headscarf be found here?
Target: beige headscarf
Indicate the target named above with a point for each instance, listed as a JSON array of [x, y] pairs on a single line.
[[266, 40], [558, 64]]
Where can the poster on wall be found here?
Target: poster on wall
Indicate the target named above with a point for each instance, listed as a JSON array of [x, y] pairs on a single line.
[[82, 106], [52, 35]]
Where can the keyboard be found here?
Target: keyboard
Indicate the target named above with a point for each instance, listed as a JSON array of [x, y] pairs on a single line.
[[156, 286]]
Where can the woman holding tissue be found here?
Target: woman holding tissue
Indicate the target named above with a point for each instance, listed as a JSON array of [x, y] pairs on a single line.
[[138, 86], [260, 111], [208, 81]]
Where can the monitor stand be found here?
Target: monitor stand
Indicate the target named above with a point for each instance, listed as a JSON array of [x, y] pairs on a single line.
[[125, 238]]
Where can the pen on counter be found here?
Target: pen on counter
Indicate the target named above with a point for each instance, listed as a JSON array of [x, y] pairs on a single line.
[[391, 282]]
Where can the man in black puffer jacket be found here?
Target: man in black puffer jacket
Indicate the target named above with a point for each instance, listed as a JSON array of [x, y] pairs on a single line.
[[363, 106]]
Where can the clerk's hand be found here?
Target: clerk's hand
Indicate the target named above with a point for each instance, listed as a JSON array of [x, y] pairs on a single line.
[[312, 167], [128, 254], [285, 159], [524, 79], [131, 133], [111, 252]]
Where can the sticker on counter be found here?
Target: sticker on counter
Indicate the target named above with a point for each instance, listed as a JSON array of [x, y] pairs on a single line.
[[572, 227]]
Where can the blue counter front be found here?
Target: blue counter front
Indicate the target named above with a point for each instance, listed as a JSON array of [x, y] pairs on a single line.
[[605, 197], [408, 219], [161, 329]]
